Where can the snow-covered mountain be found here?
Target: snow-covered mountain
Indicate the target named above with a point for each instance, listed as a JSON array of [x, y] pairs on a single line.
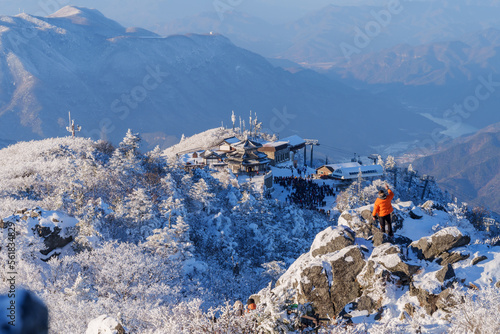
[[117, 237], [112, 78], [468, 167]]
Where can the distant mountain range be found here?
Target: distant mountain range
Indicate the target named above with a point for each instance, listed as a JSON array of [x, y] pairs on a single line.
[[112, 78], [469, 167], [318, 36]]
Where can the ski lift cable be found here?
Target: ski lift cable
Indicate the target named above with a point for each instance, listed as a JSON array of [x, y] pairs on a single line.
[[336, 149]]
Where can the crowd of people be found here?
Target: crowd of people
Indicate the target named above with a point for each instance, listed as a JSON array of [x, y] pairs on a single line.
[[305, 192]]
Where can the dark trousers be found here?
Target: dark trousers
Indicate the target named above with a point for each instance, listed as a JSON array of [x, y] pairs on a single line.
[[386, 221]]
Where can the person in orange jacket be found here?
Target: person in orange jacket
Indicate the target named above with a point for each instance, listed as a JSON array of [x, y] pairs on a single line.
[[383, 209], [251, 306]]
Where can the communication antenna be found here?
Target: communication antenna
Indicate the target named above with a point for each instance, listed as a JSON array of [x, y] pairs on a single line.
[[72, 128]]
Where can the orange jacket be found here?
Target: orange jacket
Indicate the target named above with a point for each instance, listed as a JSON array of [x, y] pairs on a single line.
[[383, 207], [251, 307]]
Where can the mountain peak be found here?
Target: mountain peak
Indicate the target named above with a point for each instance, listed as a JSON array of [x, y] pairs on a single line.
[[73, 11], [85, 16]]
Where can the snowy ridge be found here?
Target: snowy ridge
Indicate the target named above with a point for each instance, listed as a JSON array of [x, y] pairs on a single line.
[[201, 141], [113, 78]]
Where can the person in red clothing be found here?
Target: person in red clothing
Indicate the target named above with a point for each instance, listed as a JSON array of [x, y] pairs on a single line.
[[383, 209]]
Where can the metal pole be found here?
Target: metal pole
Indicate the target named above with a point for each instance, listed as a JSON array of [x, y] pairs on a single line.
[[305, 154], [312, 154]]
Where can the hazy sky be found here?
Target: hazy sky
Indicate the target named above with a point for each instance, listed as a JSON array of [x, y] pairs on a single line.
[[148, 13]]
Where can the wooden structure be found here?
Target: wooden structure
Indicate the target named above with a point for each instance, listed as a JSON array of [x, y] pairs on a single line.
[[246, 158], [277, 152]]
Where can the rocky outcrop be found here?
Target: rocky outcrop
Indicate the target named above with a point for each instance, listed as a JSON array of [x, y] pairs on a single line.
[[391, 257], [327, 281], [337, 280], [55, 229], [360, 221], [332, 240], [429, 248]]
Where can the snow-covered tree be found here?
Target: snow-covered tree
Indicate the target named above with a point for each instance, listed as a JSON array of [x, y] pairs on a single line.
[[390, 162]]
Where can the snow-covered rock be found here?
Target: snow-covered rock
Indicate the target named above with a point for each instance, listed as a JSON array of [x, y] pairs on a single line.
[[55, 228], [328, 280], [431, 247], [105, 325], [332, 240]]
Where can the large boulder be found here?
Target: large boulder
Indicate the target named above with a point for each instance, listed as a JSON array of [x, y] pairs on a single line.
[[23, 312], [391, 257], [429, 248], [327, 281], [332, 240], [55, 229]]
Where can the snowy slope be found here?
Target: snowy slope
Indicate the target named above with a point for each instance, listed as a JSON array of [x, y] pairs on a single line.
[[112, 78]]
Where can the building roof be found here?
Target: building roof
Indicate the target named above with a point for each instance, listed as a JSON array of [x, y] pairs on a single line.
[[353, 172], [247, 144], [231, 140], [275, 143], [333, 167], [294, 140]]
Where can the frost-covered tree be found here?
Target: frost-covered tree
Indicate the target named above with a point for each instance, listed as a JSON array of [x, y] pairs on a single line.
[[390, 162], [126, 162], [138, 212], [201, 194], [380, 161]]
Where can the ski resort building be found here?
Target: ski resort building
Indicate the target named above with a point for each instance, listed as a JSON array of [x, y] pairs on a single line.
[[277, 152], [201, 158], [349, 171], [227, 144], [246, 158]]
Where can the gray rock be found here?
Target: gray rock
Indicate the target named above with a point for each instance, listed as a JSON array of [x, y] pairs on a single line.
[[332, 240], [392, 259], [445, 273], [379, 238], [329, 300], [450, 258], [429, 248], [431, 302], [426, 299], [366, 303], [52, 238], [361, 223], [478, 259]]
